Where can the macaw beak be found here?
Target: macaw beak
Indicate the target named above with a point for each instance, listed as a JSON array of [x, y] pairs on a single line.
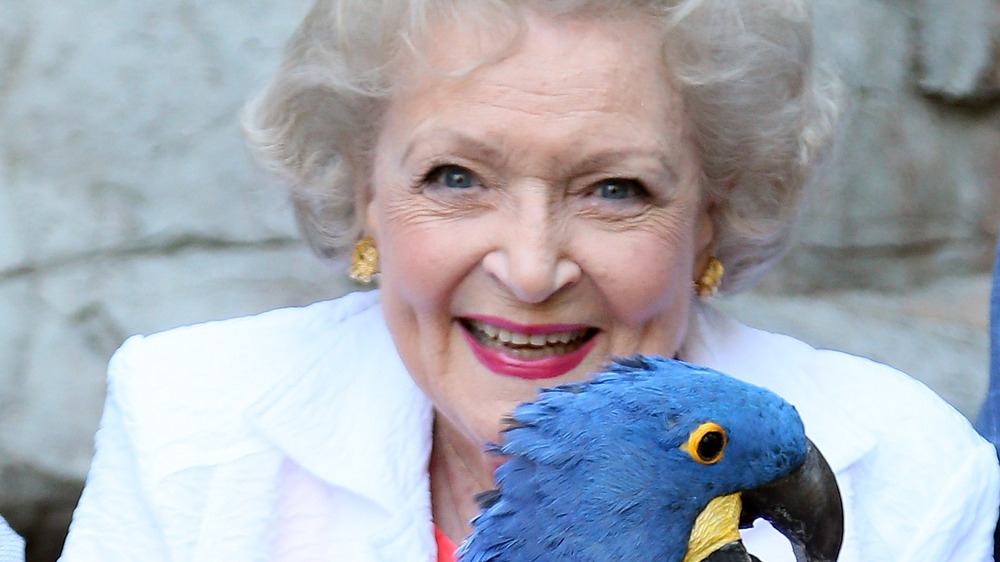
[[804, 506], [732, 552]]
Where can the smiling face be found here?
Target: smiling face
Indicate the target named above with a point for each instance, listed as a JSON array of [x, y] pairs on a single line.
[[534, 215]]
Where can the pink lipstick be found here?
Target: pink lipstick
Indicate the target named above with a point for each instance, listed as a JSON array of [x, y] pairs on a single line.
[[529, 352]]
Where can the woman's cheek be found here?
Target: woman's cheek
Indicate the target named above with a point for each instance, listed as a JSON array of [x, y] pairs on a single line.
[[427, 256], [640, 273]]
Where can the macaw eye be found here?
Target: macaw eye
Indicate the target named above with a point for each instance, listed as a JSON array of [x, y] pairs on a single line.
[[706, 443]]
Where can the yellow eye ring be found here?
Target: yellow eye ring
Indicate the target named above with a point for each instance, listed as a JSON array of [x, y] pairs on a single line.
[[707, 443]]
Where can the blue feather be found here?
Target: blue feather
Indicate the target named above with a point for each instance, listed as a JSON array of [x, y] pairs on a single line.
[[599, 470]]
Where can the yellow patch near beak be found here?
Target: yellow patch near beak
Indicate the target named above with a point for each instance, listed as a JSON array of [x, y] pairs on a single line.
[[717, 525]]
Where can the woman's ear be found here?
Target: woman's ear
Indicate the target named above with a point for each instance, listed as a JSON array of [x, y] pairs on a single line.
[[366, 209], [703, 240], [371, 220], [704, 232]]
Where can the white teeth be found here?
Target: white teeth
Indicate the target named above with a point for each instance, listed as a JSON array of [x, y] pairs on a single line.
[[488, 329], [557, 340]]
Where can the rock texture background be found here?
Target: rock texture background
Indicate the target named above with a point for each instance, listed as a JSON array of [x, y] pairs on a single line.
[[127, 205]]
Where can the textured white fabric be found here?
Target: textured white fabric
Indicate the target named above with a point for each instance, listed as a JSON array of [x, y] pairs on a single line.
[[11, 545], [298, 435]]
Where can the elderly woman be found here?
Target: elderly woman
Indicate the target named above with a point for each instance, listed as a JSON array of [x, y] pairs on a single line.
[[539, 186]]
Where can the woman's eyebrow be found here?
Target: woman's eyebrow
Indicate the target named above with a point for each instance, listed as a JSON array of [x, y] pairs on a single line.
[[612, 158], [455, 142]]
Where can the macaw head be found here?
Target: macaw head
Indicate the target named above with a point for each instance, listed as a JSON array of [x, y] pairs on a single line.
[[655, 459]]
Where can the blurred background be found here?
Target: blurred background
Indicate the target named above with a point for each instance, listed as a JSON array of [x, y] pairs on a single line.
[[128, 205]]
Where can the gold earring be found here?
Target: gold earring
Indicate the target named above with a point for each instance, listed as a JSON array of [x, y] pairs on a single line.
[[364, 261], [710, 279]]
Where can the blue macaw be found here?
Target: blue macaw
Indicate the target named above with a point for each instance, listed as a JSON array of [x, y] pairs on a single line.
[[651, 460]]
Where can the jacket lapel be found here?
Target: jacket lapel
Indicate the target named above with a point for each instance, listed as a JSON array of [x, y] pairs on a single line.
[[355, 421]]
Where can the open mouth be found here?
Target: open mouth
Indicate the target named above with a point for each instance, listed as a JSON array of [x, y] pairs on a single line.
[[522, 345]]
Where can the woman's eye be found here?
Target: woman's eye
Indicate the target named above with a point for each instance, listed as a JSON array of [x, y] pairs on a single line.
[[618, 189], [455, 177]]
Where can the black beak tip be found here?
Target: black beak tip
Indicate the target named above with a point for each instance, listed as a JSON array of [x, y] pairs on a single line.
[[805, 506]]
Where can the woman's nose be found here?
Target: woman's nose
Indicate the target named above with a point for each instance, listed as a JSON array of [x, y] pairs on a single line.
[[530, 262]]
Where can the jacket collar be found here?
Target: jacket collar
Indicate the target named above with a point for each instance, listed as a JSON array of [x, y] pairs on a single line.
[[354, 375], [787, 367]]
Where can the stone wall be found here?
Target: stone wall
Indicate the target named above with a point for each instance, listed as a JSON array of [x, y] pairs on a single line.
[[915, 192], [127, 204]]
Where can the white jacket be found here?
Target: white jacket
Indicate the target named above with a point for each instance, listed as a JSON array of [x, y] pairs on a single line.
[[11, 545], [298, 435]]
